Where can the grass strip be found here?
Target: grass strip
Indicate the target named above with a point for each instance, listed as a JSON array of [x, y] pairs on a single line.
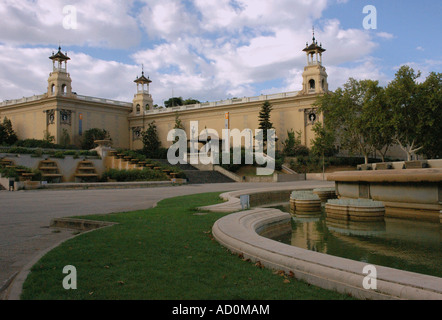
[[164, 253]]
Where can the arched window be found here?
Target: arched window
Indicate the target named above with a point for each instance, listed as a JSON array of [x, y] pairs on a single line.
[[53, 89], [138, 109], [63, 89], [147, 107], [323, 84], [312, 84]]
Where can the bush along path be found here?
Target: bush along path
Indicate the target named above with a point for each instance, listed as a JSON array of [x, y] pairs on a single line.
[[164, 253]]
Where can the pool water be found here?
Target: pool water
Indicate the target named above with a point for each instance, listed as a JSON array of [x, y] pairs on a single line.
[[401, 244]]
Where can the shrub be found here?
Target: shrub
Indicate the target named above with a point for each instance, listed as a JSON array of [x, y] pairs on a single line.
[[59, 155], [91, 135], [38, 153], [134, 175]]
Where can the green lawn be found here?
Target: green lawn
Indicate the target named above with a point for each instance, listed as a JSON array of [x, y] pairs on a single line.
[[165, 253]]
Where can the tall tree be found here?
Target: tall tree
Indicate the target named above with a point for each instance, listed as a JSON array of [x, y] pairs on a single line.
[[378, 113], [430, 97], [151, 142], [324, 142], [407, 110], [7, 134], [348, 111], [264, 119]]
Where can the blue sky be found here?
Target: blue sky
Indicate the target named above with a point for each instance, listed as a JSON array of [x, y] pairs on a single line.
[[211, 50]]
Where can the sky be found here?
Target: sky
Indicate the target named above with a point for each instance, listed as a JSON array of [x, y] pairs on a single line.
[[211, 49]]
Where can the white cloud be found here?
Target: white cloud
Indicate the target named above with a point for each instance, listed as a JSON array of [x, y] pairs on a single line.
[[25, 72], [104, 23], [208, 50], [365, 69], [385, 35]]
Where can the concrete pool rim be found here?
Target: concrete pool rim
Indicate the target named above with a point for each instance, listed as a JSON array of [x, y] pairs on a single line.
[[239, 233]]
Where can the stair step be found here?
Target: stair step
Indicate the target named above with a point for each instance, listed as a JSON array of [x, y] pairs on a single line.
[[201, 177]]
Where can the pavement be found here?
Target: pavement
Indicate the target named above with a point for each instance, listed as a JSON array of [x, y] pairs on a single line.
[[25, 216]]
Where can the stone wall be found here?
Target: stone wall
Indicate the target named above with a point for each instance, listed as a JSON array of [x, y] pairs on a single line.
[[67, 166]]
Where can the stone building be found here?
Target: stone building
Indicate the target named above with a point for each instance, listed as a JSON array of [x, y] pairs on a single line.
[[60, 110]]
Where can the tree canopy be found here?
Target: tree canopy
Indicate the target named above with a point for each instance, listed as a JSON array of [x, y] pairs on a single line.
[[7, 134], [151, 141], [179, 101], [349, 111], [416, 112], [91, 135], [264, 119], [366, 118]]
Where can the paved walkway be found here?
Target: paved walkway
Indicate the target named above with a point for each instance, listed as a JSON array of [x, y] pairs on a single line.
[[25, 216]]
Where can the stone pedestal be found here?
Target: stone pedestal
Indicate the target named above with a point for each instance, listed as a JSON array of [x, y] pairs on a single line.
[[104, 148]]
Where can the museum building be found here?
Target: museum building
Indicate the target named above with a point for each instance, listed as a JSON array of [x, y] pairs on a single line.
[[60, 110]]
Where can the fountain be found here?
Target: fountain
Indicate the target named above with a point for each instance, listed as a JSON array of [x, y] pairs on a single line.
[[406, 193]]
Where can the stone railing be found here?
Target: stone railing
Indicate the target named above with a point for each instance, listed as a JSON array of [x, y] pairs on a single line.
[[85, 98], [22, 100], [106, 101], [228, 102]]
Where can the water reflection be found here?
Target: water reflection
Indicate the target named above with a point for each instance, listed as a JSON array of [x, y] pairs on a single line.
[[408, 245]]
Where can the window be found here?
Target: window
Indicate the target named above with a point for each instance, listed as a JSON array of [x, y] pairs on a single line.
[[52, 89], [138, 109], [312, 84], [63, 89]]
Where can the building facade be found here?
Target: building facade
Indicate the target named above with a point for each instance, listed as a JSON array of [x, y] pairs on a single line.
[[61, 111]]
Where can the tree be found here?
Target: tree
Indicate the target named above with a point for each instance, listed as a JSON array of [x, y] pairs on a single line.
[[324, 142], [178, 124], [430, 95], [48, 137], [174, 102], [264, 119], [7, 134], [91, 135], [65, 139], [293, 146], [348, 111], [190, 101], [151, 142], [378, 113], [409, 109]]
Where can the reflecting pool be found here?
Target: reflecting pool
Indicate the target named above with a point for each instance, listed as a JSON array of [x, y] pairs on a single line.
[[402, 244]]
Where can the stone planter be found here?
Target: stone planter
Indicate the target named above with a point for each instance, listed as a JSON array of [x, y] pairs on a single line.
[[305, 203], [361, 210], [325, 194]]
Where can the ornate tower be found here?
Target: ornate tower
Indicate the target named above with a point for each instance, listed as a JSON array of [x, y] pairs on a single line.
[[315, 75], [143, 99], [59, 82]]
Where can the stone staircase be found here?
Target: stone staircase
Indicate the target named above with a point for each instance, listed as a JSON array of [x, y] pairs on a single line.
[[201, 177], [195, 176], [50, 171], [86, 172]]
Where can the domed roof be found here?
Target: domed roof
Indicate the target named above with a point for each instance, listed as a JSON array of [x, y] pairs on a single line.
[[59, 56]]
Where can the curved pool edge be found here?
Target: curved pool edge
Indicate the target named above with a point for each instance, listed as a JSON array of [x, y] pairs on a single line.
[[238, 233]]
